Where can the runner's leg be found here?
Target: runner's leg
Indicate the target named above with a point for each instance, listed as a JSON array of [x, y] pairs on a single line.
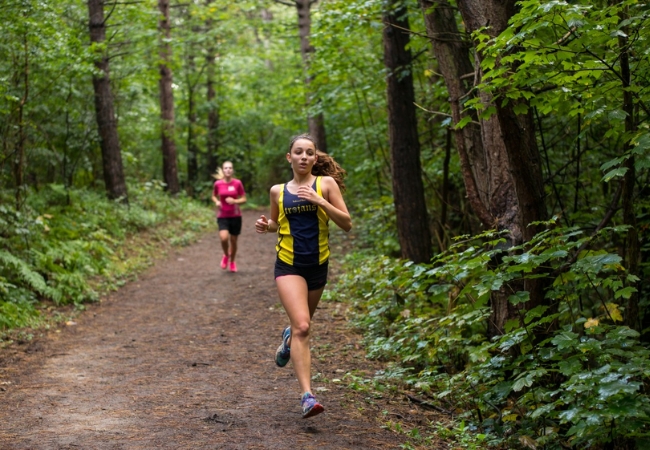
[[313, 299], [224, 237], [233, 246], [294, 298]]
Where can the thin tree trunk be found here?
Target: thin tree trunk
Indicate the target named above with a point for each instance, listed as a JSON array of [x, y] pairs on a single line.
[[316, 122], [213, 109], [371, 151], [442, 222], [170, 169], [106, 121], [192, 148], [632, 247], [453, 55], [408, 191], [19, 162]]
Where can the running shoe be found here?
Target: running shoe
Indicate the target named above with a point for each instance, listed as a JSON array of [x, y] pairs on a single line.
[[233, 266], [224, 262], [310, 406], [283, 353]]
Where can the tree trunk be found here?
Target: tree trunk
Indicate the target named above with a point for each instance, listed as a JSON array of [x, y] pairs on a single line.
[[408, 190], [316, 122], [632, 246], [517, 131], [192, 147], [170, 169], [106, 121], [444, 195], [481, 151], [19, 161], [213, 109], [488, 171], [524, 163]]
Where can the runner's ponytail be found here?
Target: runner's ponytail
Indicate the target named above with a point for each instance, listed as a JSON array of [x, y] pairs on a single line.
[[327, 166]]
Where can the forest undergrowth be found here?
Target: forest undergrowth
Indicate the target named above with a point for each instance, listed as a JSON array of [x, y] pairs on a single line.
[[569, 373], [67, 247]]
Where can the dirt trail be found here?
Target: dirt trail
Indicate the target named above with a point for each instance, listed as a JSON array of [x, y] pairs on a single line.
[[182, 359]]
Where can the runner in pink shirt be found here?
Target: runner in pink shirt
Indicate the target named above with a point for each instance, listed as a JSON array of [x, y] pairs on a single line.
[[227, 194]]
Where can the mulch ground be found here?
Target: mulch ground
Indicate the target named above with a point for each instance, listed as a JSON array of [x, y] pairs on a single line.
[[182, 358]]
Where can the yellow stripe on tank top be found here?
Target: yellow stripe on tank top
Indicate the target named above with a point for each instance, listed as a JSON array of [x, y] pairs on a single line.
[[285, 239], [323, 229]]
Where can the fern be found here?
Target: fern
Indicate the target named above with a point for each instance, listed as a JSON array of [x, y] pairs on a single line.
[[22, 271]]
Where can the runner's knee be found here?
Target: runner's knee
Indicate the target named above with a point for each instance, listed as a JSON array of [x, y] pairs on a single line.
[[301, 329]]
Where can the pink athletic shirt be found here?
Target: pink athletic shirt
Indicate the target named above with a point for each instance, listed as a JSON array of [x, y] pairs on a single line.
[[222, 191]]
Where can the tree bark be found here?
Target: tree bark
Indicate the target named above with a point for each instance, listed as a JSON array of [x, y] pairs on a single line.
[[19, 161], [408, 191], [105, 114], [632, 245], [192, 147], [523, 160], [170, 169], [452, 54], [493, 176], [517, 131], [316, 122], [481, 152], [213, 108]]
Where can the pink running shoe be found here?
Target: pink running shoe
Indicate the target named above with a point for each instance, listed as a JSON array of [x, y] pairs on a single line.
[[224, 262], [233, 266]]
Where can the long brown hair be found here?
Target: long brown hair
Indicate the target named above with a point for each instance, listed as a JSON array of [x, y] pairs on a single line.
[[325, 164]]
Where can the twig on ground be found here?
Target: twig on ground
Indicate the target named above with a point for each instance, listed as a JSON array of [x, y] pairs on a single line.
[[426, 404]]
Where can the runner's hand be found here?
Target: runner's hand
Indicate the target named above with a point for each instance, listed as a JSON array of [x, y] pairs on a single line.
[[262, 224], [309, 194]]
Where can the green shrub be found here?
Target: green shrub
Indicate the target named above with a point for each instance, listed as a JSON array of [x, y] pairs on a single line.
[[565, 373], [65, 246]]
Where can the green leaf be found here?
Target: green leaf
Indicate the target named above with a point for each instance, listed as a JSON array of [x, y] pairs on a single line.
[[464, 121], [519, 297], [625, 292], [565, 340], [617, 114], [521, 108], [616, 173], [524, 381]]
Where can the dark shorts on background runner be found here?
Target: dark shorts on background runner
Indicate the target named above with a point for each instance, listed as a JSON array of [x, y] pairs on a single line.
[[315, 276], [232, 224]]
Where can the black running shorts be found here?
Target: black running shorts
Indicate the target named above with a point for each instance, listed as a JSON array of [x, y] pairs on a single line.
[[315, 276], [232, 224]]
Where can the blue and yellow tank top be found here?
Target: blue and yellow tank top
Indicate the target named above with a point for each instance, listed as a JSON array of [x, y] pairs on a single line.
[[303, 233]]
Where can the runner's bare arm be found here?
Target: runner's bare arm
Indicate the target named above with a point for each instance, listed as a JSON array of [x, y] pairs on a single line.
[[263, 225]]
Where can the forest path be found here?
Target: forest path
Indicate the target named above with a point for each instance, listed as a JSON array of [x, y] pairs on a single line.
[[182, 358]]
